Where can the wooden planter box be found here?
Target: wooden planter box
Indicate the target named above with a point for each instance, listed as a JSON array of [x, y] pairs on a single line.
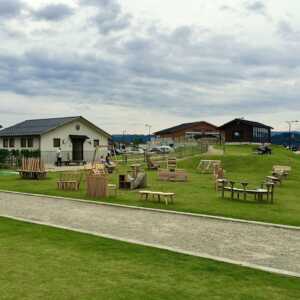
[[97, 186]]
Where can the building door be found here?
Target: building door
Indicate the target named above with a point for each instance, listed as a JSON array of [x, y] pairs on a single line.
[[77, 149]]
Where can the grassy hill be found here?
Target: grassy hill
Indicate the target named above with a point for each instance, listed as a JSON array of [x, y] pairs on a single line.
[[198, 194]]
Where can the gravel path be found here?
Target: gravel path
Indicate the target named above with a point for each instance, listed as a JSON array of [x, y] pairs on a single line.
[[258, 246]]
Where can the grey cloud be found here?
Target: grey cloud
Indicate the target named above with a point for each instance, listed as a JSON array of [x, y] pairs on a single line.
[[195, 70], [101, 3], [288, 33], [110, 17], [256, 6], [53, 12], [10, 8]]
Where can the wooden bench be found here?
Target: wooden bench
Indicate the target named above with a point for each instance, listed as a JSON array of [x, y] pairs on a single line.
[[32, 168], [176, 175], [208, 166], [69, 181], [28, 174], [160, 195], [284, 171]]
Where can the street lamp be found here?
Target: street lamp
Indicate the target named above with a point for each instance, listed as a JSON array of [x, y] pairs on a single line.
[[149, 128], [290, 123]]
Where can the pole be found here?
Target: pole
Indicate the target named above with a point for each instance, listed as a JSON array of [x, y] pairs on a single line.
[[290, 135], [290, 123]]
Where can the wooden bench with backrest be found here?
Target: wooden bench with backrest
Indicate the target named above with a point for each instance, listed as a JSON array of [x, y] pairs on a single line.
[[281, 170], [208, 166], [69, 181], [172, 163], [177, 175], [166, 197], [32, 168]]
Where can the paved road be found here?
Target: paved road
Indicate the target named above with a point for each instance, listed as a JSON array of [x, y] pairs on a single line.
[[254, 245]]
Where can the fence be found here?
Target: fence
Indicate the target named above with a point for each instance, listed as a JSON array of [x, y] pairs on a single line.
[[181, 151], [13, 158]]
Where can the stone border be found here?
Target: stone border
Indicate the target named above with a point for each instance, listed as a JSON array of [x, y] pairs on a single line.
[[157, 246], [165, 211]]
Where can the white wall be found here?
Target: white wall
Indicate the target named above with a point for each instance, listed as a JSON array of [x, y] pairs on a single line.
[[49, 151]]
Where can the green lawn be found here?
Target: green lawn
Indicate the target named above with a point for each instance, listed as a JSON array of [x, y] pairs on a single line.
[[38, 262], [198, 195]]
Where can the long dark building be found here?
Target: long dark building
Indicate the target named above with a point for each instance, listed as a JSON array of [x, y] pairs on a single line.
[[184, 131], [244, 131]]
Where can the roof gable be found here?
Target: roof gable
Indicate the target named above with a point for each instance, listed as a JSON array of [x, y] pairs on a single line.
[[246, 122], [39, 127], [183, 127]]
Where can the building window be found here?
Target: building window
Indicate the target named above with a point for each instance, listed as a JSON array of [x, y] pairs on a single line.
[[23, 142], [56, 143], [5, 143], [237, 135], [30, 142], [11, 142], [96, 143]]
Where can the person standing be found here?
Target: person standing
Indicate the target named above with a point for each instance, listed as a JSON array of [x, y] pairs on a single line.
[[59, 157]]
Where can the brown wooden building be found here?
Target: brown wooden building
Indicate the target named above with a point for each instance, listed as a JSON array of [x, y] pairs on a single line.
[[183, 132], [244, 131]]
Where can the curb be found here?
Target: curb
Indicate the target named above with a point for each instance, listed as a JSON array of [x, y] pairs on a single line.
[[218, 218], [170, 249]]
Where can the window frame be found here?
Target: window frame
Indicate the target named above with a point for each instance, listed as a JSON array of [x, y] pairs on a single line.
[[58, 140], [5, 142], [23, 140], [30, 142], [12, 142]]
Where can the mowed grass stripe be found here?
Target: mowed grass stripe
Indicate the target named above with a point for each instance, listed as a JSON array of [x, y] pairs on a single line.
[[39, 262]]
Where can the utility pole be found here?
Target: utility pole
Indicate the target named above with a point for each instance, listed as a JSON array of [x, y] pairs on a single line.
[[290, 123]]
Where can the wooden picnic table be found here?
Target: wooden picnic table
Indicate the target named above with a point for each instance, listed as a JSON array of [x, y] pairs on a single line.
[[258, 193]]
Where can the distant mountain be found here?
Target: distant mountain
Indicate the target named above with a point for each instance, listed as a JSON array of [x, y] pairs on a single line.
[[282, 138], [130, 138]]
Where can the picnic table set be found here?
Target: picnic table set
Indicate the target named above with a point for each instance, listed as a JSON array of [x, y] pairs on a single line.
[[264, 192]]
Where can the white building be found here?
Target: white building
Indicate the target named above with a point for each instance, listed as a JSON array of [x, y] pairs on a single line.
[[75, 136]]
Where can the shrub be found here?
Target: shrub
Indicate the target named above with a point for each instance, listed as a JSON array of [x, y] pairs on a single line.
[[4, 154]]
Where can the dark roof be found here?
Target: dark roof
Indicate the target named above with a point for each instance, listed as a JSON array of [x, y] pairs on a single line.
[[41, 126], [247, 122], [182, 127]]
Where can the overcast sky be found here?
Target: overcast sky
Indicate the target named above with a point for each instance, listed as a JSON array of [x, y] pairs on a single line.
[[124, 64]]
